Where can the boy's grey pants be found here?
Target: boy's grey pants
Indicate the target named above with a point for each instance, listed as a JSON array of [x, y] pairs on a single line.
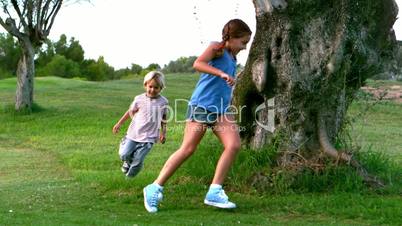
[[134, 154]]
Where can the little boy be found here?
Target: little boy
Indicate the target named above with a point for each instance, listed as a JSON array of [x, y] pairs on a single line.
[[148, 112]]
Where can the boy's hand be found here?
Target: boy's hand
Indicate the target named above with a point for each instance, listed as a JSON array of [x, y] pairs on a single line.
[[162, 138], [116, 128]]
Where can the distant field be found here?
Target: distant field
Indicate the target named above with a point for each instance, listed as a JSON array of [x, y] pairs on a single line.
[[59, 165], [378, 124]]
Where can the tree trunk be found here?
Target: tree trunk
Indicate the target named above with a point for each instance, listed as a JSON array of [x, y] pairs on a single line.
[[25, 77], [311, 56]]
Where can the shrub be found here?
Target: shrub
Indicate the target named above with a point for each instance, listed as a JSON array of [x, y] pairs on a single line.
[[5, 74], [60, 66], [98, 70]]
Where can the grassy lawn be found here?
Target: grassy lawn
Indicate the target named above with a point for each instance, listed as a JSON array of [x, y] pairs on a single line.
[[59, 165]]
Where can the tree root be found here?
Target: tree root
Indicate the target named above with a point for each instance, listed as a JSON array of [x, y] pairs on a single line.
[[331, 151]]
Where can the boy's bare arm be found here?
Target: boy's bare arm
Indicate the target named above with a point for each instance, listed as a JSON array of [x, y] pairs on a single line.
[[162, 136], [124, 118]]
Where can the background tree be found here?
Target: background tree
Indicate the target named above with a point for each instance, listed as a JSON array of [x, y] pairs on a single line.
[[69, 54], [30, 22], [135, 69], [153, 66], [75, 52], [45, 54], [398, 60], [312, 56], [98, 70], [61, 46], [181, 65], [9, 55], [71, 50]]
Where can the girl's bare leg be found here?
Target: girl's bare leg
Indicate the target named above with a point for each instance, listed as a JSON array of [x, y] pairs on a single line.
[[227, 131], [193, 134]]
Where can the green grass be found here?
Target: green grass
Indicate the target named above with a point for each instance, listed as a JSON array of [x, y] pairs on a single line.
[[59, 165], [379, 127]]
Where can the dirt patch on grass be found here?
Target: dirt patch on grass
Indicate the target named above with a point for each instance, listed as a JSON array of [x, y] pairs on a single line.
[[385, 92]]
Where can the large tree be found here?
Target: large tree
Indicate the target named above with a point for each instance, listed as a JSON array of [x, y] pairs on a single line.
[[306, 62], [30, 22]]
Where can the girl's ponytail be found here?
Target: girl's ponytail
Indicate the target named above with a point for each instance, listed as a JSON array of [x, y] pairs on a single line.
[[235, 28]]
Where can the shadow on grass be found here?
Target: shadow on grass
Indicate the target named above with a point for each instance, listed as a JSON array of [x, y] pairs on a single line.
[[10, 109]]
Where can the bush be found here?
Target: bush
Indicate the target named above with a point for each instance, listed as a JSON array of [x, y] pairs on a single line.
[[98, 70], [5, 74], [60, 66]]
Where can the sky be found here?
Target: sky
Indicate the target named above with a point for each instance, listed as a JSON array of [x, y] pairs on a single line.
[[154, 31], [149, 31]]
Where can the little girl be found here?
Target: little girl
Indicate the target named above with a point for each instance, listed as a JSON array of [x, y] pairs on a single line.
[[148, 112], [208, 107]]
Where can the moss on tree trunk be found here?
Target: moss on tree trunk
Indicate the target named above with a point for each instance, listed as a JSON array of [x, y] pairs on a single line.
[[312, 57]]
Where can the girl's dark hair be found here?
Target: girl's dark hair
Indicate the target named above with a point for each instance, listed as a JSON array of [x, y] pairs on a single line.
[[235, 28]]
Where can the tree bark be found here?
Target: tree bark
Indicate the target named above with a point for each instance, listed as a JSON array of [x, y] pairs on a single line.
[[311, 56], [25, 77]]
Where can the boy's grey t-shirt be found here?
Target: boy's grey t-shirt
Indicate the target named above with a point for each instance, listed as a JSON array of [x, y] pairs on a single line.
[[146, 122]]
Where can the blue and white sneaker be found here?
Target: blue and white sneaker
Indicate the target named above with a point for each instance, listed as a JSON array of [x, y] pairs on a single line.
[[152, 197], [216, 197]]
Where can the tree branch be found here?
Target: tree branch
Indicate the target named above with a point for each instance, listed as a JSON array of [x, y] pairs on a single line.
[[30, 13], [10, 27], [6, 11], [3, 24], [20, 15], [38, 14], [44, 13], [24, 9], [52, 15], [9, 23]]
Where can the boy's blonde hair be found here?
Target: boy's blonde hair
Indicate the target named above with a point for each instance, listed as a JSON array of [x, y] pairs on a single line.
[[158, 76]]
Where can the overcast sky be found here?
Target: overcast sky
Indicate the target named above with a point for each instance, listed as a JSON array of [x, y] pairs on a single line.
[[153, 31], [149, 31]]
